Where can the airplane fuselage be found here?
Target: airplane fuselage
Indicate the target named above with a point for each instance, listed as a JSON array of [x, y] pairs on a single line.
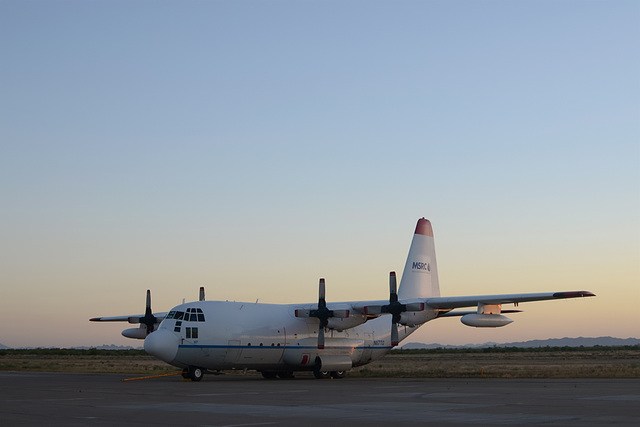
[[264, 337]]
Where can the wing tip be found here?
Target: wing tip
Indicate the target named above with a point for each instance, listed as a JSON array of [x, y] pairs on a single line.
[[573, 294]]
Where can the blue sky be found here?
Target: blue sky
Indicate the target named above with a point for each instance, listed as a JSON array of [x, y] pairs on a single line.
[[255, 146]]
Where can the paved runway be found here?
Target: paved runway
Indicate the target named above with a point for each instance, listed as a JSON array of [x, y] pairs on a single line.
[[33, 398]]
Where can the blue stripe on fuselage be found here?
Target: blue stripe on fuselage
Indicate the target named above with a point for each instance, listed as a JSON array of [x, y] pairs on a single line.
[[278, 348]]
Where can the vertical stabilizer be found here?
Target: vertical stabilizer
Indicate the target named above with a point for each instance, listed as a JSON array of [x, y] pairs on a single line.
[[420, 276]]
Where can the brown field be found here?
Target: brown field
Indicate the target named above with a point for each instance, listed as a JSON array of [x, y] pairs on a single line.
[[535, 364]]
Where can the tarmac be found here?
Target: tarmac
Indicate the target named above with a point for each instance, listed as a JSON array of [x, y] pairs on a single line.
[[52, 399]]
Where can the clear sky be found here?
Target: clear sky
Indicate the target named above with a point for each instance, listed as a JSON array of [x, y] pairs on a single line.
[[255, 146]]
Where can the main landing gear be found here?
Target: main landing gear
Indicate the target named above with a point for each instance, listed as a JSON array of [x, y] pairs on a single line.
[[193, 373], [323, 375]]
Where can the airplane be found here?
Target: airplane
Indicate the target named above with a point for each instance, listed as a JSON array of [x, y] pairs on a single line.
[[328, 339]]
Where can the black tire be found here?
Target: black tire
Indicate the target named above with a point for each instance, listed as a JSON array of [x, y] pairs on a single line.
[[269, 375], [338, 374], [285, 375], [195, 373], [321, 375], [185, 373]]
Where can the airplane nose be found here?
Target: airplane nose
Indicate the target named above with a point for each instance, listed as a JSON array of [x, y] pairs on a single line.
[[162, 344]]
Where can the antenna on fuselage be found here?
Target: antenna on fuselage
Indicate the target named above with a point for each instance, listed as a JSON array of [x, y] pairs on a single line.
[[201, 293]]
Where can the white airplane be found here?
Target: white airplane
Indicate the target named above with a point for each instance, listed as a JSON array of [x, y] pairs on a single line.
[[326, 338]]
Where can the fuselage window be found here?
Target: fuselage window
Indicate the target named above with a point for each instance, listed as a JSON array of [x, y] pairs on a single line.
[[177, 328]]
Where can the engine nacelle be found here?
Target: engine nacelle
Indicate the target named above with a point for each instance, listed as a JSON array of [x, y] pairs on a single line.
[[415, 318], [351, 321], [136, 333], [485, 320]]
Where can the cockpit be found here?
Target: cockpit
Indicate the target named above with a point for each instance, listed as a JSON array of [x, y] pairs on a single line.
[[191, 315]]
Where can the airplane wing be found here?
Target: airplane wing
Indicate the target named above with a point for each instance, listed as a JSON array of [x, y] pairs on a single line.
[[148, 321], [448, 303], [416, 311], [131, 319]]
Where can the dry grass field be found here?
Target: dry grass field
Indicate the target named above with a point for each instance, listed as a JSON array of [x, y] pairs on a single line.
[[586, 363], [528, 364]]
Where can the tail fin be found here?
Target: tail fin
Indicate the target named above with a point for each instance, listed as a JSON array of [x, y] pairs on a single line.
[[420, 276]]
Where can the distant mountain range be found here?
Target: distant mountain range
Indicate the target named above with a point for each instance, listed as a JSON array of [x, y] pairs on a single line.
[[111, 347], [553, 342], [101, 347]]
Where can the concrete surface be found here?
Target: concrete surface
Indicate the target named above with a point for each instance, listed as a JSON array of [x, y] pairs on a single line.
[[35, 398]]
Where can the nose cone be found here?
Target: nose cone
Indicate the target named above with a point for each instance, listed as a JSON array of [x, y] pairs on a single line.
[[162, 344]]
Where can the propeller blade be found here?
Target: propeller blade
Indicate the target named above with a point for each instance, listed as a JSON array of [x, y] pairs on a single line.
[[394, 308], [373, 309], [415, 306], [393, 288], [201, 293], [320, 336], [148, 319], [148, 307], [394, 335], [302, 312], [341, 314], [321, 293]]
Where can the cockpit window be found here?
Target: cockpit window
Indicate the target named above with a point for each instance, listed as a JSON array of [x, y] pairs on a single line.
[[192, 315], [179, 315]]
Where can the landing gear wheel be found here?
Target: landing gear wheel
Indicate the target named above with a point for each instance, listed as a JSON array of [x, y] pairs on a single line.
[[195, 373], [285, 375], [338, 374], [185, 373], [269, 375], [321, 375]]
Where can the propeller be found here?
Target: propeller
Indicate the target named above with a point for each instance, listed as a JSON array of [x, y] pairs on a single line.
[[394, 308], [322, 313], [148, 319]]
